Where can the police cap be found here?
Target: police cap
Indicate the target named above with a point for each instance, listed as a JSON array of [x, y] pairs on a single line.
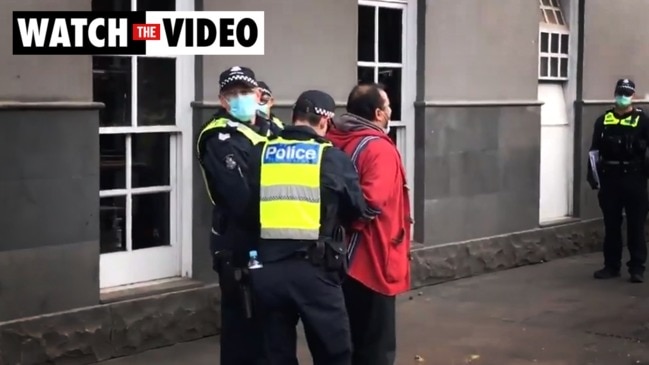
[[237, 75], [265, 90], [625, 87], [316, 102]]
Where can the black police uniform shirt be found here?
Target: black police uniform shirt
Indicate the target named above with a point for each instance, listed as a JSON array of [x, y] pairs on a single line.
[[639, 133], [342, 200], [225, 161]]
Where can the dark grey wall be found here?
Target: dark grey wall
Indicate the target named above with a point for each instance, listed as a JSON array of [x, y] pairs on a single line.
[[481, 171], [49, 206]]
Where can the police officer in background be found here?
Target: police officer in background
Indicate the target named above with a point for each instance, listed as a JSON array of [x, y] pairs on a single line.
[[620, 136], [307, 189], [267, 101], [223, 147]]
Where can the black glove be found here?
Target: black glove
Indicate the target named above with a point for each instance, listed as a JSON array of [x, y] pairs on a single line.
[[593, 184]]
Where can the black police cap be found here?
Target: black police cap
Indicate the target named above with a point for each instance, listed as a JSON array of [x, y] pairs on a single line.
[[264, 88], [316, 102], [625, 85], [237, 75]]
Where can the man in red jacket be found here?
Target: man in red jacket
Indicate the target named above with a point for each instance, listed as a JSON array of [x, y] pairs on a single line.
[[379, 266]]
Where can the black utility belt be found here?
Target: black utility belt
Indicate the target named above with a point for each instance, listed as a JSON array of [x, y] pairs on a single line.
[[329, 255], [621, 163]]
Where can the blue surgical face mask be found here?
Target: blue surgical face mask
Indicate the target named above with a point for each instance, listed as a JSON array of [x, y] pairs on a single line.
[[622, 101], [243, 107], [264, 108]]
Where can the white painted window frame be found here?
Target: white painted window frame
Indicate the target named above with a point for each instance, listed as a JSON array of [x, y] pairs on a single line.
[[552, 8], [556, 55], [546, 27], [405, 128], [150, 264]]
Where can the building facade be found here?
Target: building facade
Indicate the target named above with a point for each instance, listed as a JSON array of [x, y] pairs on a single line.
[[103, 213]]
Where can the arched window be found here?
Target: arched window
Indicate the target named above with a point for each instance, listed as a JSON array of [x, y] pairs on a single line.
[[554, 41]]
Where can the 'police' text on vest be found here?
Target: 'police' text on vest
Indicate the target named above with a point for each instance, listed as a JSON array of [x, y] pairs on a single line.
[[298, 153]]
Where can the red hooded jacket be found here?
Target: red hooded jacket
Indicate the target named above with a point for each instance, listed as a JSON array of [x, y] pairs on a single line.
[[378, 249]]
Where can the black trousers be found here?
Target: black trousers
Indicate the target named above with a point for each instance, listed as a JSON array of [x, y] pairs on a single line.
[[372, 318], [628, 193], [241, 338], [294, 288]]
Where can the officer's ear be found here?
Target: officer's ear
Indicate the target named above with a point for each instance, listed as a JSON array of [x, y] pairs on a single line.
[[224, 102], [323, 126]]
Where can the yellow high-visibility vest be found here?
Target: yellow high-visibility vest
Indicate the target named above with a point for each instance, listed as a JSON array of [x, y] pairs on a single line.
[[611, 119], [242, 128], [290, 189]]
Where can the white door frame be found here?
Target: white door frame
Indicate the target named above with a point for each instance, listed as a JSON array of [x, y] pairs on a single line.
[[406, 128], [135, 267]]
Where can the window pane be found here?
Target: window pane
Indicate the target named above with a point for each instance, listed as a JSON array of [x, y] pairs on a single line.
[[112, 224], [390, 33], [544, 67], [549, 14], [554, 67], [542, 16], [112, 161], [156, 91], [150, 160], [391, 79], [555, 3], [554, 43], [545, 47], [156, 5], [150, 220], [393, 134], [564, 68], [559, 17], [111, 5], [111, 85], [565, 43], [366, 33], [546, 2], [366, 74]]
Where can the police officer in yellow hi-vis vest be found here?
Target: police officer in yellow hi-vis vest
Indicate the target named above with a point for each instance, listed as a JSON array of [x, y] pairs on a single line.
[[307, 190], [618, 148], [223, 147]]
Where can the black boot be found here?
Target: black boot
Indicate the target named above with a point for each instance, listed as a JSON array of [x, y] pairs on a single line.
[[636, 278], [606, 273]]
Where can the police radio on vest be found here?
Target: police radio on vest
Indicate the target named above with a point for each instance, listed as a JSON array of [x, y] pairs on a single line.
[[292, 153]]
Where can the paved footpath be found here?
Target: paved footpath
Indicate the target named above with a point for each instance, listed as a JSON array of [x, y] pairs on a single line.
[[549, 314]]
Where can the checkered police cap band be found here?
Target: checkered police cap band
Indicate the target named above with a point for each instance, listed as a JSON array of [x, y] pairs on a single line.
[[238, 77], [264, 91], [324, 113]]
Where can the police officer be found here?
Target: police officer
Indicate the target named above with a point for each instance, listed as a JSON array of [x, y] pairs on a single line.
[[307, 188], [620, 138], [223, 147], [267, 101]]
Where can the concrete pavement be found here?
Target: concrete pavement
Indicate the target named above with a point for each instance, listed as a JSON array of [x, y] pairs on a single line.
[[549, 314]]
